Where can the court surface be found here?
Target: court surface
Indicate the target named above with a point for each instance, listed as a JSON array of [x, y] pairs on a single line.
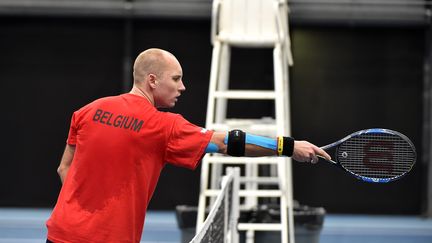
[[27, 225]]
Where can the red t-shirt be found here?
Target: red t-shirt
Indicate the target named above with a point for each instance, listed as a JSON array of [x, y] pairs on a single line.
[[122, 144]]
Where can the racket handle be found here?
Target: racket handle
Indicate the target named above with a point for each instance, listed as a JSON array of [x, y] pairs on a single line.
[[322, 157]]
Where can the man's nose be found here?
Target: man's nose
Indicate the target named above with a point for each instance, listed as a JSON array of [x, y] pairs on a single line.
[[182, 87]]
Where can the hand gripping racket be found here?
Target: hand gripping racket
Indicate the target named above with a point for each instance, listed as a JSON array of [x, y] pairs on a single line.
[[374, 155]]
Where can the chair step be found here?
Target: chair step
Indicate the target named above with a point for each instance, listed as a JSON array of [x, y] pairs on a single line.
[[246, 193], [257, 129], [241, 160], [260, 180], [259, 227], [246, 94]]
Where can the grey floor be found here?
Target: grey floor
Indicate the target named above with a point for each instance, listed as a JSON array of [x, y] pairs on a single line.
[[28, 226]]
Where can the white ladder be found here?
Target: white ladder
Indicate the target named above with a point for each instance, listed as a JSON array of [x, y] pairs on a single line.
[[226, 34]]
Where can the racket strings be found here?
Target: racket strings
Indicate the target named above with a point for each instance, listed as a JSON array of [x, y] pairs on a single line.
[[376, 155]]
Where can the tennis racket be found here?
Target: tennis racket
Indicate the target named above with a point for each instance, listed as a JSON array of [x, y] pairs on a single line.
[[374, 155]]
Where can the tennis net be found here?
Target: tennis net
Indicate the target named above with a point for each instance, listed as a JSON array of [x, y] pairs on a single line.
[[220, 225]]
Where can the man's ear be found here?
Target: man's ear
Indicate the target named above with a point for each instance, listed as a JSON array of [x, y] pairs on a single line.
[[152, 80]]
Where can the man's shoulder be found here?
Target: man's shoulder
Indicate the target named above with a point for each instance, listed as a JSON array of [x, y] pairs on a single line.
[[169, 115], [106, 99], [97, 102]]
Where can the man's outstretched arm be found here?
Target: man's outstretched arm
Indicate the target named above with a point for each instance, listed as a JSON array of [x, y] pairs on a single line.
[[238, 143]]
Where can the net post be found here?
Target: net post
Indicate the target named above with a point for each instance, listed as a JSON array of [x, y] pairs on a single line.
[[235, 204], [221, 223]]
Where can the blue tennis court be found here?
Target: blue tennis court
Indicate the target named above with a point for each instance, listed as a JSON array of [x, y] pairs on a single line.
[[27, 225]]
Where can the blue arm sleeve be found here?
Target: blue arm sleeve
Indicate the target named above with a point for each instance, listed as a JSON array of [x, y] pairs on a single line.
[[264, 142], [261, 141], [212, 148]]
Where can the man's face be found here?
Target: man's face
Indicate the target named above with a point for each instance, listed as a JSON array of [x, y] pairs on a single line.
[[169, 85]]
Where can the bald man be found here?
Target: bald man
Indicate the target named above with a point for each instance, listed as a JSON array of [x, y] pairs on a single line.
[[117, 147]]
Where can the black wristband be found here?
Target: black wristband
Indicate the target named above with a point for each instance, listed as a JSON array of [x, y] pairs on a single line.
[[288, 146], [236, 143]]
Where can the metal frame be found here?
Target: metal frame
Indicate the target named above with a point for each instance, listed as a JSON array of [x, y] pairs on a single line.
[[346, 12], [127, 52], [216, 116], [427, 126]]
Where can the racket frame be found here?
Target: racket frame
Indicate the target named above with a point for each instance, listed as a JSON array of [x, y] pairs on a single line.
[[369, 131]]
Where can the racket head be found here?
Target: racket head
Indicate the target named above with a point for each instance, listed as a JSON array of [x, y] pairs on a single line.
[[376, 155]]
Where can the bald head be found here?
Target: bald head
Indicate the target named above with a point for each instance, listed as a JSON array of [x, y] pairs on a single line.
[[158, 77], [153, 61]]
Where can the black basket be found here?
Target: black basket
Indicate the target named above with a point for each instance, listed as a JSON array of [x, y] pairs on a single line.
[[308, 222]]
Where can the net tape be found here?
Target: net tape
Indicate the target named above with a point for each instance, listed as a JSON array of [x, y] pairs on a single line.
[[220, 225]]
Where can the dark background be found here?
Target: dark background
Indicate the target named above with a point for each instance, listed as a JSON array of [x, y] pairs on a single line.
[[345, 78]]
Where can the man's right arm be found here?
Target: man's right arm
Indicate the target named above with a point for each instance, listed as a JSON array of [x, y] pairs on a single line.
[[302, 151], [66, 162]]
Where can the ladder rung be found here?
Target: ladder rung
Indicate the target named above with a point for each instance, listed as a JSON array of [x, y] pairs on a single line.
[[241, 160], [246, 193], [260, 193], [255, 128], [259, 227], [260, 180], [246, 94], [249, 121]]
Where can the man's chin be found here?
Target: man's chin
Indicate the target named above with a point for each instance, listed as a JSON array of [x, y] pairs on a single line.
[[166, 106]]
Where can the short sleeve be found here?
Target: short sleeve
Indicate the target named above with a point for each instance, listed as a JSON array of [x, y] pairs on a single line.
[[186, 144], [72, 137]]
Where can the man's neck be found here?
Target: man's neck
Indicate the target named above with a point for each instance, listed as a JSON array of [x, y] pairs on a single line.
[[137, 91]]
